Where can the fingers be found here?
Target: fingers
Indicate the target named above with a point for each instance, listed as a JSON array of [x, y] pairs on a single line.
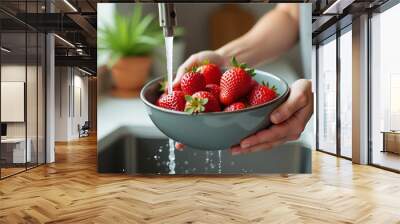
[[300, 96], [289, 130], [259, 147], [272, 134]]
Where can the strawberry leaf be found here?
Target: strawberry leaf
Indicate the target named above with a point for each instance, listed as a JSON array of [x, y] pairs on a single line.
[[163, 85], [189, 110], [263, 83], [204, 101], [188, 98], [195, 104], [192, 68], [250, 71], [234, 62]]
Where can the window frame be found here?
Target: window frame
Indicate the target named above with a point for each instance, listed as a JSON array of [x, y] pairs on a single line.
[[333, 37], [27, 29]]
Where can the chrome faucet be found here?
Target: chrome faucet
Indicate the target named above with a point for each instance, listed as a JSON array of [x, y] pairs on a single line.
[[167, 16]]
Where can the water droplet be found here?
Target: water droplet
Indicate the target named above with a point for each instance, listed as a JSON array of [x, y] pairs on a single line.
[[158, 164], [219, 161], [186, 162], [171, 157], [195, 154], [232, 163]]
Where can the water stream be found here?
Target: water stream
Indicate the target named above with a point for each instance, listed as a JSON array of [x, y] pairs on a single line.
[[169, 46], [219, 161]]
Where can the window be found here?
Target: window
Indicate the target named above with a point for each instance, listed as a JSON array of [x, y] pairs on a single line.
[[346, 94], [327, 97], [385, 89]]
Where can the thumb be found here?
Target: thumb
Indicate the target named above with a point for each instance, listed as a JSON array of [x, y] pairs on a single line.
[[298, 99]]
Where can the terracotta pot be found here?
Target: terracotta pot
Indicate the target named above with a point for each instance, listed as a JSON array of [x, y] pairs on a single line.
[[130, 74]]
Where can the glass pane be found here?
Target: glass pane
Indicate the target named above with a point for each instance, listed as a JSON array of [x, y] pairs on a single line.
[[13, 86], [385, 86], [346, 94], [41, 99], [327, 97], [31, 98]]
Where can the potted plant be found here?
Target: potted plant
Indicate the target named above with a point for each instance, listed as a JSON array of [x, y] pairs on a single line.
[[130, 41]]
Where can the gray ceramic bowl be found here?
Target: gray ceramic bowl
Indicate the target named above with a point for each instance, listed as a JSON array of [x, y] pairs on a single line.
[[217, 130]]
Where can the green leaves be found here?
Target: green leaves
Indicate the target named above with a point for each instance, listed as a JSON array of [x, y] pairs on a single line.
[[133, 35], [234, 62], [193, 68], [163, 85], [195, 104], [249, 71], [267, 85]]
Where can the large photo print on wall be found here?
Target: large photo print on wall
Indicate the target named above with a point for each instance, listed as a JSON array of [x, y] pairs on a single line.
[[214, 88]]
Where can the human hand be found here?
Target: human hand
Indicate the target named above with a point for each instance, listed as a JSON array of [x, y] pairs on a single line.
[[289, 121], [196, 59]]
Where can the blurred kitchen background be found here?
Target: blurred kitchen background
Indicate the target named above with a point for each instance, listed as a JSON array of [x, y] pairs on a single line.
[[200, 27]]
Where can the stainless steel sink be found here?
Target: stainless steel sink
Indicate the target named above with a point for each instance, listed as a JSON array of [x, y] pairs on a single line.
[[145, 150]]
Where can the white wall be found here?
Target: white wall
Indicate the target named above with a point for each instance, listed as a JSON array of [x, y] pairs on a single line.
[[70, 83], [33, 126], [16, 72]]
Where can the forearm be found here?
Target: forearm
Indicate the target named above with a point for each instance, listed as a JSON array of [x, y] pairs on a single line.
[[274, 34]]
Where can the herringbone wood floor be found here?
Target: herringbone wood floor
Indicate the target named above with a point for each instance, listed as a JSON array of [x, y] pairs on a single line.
[[70, 191]]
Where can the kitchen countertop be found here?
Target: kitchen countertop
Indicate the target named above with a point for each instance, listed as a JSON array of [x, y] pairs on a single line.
[[114, 113]]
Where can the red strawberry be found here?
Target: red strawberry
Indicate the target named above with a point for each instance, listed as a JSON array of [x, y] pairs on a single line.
[[192, 82], [161, 97], [202, 101], [235, 82], [164, 87], [253, 83], [261, 94], [235, 106], [211, 73], [174, 101], [214, 89]]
